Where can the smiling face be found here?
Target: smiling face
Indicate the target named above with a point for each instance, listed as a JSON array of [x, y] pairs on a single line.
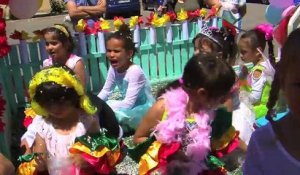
[[57, 50], [118, 56]]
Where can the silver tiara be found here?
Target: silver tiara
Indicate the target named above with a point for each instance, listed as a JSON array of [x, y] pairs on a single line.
[[208, 32]]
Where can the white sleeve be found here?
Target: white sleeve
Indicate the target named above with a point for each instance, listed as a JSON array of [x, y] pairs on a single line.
[[257, 87], [253, 163], [228, 6], [32, 129], [136, 83], [109, 85]]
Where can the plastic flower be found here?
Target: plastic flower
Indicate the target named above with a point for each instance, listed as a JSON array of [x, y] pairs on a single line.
[[118, 21], [38, 34], [19, 35], [154, 20], [182, 15], [135, 20], [81, 25], [172, 16], [103, 25]]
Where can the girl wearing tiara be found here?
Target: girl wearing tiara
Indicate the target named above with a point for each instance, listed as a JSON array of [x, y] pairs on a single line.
[[128, 78]]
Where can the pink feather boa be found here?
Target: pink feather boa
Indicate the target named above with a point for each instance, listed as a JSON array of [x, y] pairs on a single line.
[[168, 130], [267, 29]]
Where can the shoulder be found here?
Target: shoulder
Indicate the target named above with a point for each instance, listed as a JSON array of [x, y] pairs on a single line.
[[72, 61], [135, 68], [264, 136], [136, 72], [47, 62]]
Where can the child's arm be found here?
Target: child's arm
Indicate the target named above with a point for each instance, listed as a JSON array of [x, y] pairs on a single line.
[[257, 86], [108, 85], [80, 72], [40, 147], [136, 83], [30, 135], [149, 121]]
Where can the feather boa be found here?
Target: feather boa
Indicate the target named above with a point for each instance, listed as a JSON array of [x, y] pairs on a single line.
[[167, 131]]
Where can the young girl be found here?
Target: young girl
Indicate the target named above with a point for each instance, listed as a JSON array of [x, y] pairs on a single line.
[[59, 45], [178, 124], [252, 45], [129, 78], [222, 42], [68, 139], [273, 148]]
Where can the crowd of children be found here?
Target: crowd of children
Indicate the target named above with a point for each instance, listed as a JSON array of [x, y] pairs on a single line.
[[202, 123]]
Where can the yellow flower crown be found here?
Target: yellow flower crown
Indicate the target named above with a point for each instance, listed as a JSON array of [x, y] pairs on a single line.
[[64, 78]]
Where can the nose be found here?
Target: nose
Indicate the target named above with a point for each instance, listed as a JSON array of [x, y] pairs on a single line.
[[110, 54]]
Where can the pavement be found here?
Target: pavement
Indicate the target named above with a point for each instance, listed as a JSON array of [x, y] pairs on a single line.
[[254, 16]]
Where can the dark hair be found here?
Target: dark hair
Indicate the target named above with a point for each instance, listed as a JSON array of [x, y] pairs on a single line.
[[50, 93], [226, 45], [206, 71], [62, 36], [289, 55], [125, 35], [258, 39]]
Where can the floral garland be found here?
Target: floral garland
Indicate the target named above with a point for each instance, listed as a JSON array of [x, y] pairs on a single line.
[[5, 48], [2, 108], [168, 130]]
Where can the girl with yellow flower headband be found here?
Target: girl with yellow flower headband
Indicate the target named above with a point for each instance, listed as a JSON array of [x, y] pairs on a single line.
[[74, 134], [59, 45]]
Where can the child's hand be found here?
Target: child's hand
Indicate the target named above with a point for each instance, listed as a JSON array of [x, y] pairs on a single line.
[[24, 145], [244, 72], [79, 161]]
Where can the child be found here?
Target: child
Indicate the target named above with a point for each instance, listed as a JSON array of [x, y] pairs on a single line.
[[129, 78], [222, 42], [60, 45], [232, 10], [180, 120], [252, 45], [69, 129], [6, 167], [273, 148]]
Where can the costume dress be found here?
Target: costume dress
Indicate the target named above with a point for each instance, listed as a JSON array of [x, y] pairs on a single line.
[[136, 97]]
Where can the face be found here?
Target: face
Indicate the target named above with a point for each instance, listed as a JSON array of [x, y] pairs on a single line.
[[292, 89], [119, 58], [55, 48], [202, 47], [247, 53], [61, 111]]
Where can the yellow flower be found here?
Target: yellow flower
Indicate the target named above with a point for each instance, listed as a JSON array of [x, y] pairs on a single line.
[[25, 35], [203, 12], [133, 21], [182, 15], [81, 24], [104, 24], [118, 21], [29, 112]]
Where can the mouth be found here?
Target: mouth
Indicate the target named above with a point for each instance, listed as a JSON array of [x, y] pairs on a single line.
[[113, 63]]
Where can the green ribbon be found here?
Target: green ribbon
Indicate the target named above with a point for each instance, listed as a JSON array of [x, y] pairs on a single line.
[[29, 157], [137, 151], [213, 162], [221, 123], [94, 141]]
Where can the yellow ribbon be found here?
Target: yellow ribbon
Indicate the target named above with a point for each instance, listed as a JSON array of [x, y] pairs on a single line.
[[80, 26], [182, 15], [27, 168], [104, 24], [150, 159], [221, 143]]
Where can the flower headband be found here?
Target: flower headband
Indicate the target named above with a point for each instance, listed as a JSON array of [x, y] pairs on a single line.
[[62, 29], [64, 78]]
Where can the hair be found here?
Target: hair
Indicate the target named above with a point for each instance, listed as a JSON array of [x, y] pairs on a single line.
[[259, 37], [51, 93], [206, 71], [289, 56], [227, 45], [125, 35], [63, 35]]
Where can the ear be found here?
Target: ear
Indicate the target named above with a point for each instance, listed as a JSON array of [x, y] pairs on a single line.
[[259, 51], [130, 53], [202, 92]]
